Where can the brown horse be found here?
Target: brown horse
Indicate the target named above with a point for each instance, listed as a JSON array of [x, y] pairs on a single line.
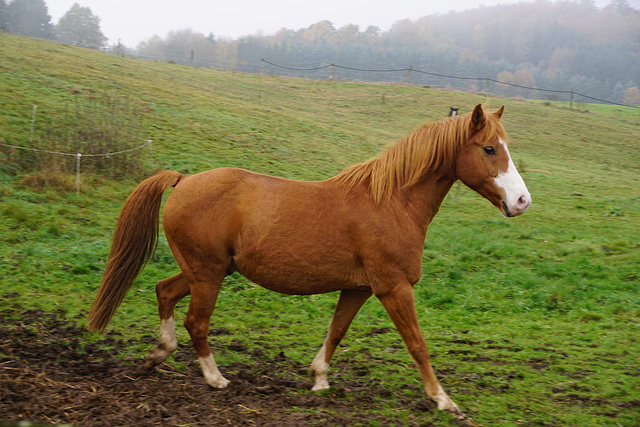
[[361, 233]]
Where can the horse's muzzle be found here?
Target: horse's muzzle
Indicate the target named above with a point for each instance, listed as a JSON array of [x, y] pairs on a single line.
[[518, 208]]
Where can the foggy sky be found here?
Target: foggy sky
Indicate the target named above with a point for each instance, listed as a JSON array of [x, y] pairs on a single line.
[[133, 21]]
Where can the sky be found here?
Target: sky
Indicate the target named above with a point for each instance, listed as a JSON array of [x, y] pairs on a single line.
[[134, 21]]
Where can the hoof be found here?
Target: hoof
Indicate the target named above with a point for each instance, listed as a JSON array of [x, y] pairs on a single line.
[[445, 403], [320, 386], [155, 357], [453, 409], [218, 383], [458, 414], [318, 371]]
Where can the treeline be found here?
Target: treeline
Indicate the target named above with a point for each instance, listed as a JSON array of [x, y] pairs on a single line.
[[561, 46], [79, 26]]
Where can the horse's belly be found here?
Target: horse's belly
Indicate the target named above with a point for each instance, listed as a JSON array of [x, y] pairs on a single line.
[[303, 278], [306, 286]]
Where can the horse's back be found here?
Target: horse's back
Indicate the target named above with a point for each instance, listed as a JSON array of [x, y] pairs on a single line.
[[225, 191]]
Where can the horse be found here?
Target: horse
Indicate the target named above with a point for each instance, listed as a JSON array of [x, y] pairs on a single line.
[[360, 232], [453, 111]]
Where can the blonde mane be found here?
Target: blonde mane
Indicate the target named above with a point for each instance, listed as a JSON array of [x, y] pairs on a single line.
[[430, 148]]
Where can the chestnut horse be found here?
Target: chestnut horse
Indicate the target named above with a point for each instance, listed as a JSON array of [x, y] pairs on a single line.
[[361, 232]]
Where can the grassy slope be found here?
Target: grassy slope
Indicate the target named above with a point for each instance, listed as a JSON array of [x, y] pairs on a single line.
[[555, 292]]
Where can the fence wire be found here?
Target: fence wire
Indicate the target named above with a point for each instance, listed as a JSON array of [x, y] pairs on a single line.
[[79, 156], [480, 80]]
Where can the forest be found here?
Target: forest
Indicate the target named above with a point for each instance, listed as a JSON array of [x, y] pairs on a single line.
[[537, 49], [555, 46]]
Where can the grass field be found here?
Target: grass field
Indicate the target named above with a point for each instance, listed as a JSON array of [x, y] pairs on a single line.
[[533, 320]]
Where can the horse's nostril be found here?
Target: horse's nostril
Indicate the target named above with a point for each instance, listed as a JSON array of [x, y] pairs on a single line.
[[523, 201]]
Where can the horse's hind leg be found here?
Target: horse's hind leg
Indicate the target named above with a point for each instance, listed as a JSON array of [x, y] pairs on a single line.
[[169, 292], [348, 305], [203, 300]]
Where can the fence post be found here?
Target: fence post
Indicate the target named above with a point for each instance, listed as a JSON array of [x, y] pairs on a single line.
[[33, 122], [261, 66], [78, 157], [488, 89], [409, 74], [150, 152], [333, 71], [571, 102], [192, 55]]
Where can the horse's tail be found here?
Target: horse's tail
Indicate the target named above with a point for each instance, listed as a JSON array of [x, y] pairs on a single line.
[[133, 244]]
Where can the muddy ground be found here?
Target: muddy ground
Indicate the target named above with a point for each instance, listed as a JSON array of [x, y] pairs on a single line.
[[51, 374]]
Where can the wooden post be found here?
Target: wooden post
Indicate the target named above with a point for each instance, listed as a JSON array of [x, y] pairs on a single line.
[[151, 152], [33, 122], [571, 102], [409, 74], [78, 157]]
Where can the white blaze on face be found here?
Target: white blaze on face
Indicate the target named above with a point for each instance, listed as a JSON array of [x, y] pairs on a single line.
[[517, 198]]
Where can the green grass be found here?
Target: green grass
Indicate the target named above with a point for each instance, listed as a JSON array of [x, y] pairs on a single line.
[[533, 320]]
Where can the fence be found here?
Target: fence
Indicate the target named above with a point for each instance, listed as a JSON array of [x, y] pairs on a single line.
[[406, 75], [481, 81], [79, 156]]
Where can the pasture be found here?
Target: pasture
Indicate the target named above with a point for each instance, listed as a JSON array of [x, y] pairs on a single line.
[[533, 320]]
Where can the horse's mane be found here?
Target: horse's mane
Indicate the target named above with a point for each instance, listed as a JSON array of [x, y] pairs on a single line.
[[431, 147]]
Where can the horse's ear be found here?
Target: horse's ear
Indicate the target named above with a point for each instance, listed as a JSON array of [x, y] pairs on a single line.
[[477, 118], [498, 113]]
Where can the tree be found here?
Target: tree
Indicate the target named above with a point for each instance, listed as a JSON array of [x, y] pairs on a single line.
[[319, 32], [371, 35], [80, 27], [621, 7], [153, 48], [29, 18], [3, 16], [348, 34]]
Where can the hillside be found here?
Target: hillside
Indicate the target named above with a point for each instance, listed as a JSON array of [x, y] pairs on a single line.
[[532, 319]]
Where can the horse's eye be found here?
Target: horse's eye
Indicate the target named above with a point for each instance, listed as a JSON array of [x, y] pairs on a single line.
[[489, 150]]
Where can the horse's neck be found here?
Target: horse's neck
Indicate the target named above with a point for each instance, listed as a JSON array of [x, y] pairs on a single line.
[[425, 197]]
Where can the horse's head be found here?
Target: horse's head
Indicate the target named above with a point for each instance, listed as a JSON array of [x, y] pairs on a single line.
[[484, 164]]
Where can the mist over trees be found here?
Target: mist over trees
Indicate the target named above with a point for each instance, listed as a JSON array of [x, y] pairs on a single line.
[[564, 45], [26, 18], [79, 26]]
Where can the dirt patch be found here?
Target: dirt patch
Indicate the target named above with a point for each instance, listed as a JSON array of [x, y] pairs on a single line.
[[51, 373]]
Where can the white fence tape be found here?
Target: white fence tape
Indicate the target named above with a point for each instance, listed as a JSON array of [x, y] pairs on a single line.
[[79, 156]]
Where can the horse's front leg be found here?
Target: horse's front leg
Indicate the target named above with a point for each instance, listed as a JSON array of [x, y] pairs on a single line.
[[399, 303], [169, 292], [348, 305]]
